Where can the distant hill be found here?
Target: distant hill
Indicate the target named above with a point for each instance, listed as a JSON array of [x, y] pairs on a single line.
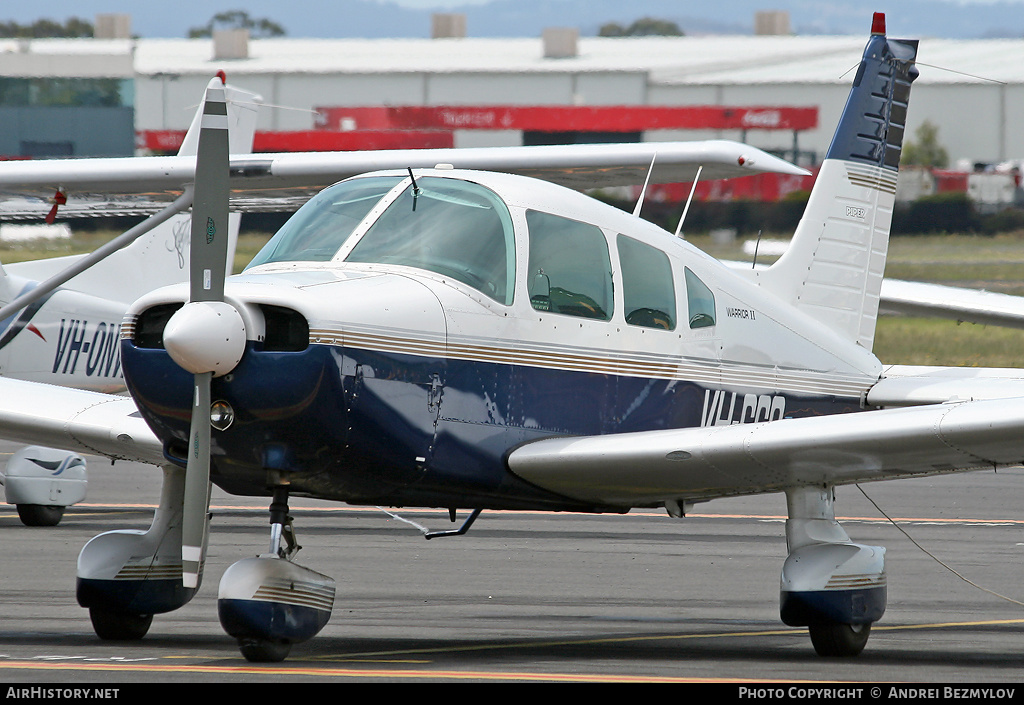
[[936, 18], [527, 18]]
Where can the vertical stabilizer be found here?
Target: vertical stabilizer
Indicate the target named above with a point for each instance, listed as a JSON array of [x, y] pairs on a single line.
[[834, 266], [243, 109], [158, 257]]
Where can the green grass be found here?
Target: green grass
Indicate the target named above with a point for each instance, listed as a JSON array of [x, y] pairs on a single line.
[[80, 243], [925, 341]]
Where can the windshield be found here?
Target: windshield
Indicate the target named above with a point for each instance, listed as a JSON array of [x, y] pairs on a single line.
[[318, 230], [455, 228]]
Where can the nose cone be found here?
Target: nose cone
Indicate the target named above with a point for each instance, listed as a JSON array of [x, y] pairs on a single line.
[[206, 336]]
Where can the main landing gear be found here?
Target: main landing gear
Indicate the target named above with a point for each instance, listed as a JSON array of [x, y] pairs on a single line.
[[830, 585], [125, 577], [269, 603]]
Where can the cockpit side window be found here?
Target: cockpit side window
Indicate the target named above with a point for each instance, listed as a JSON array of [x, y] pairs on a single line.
[[701, 301], [648, 292], [318, 230], [570, 271], [455, 228]]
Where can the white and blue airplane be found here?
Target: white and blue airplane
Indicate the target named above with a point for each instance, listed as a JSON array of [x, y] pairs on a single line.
[[477, 339]]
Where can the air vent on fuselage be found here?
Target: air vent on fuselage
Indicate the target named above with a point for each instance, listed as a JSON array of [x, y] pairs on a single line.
[[149, 327], [286, 330]]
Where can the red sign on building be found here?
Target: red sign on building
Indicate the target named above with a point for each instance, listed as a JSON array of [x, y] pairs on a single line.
[[562, 118]]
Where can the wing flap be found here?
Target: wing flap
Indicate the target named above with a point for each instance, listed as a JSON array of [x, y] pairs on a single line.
[[77, 420], [637, 469]]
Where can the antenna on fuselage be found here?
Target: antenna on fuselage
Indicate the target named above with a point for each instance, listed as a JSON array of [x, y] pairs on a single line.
[[643, 192], [686, 208]]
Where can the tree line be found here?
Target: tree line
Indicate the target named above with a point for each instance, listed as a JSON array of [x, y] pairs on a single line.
[[47, 29], [77, 28]]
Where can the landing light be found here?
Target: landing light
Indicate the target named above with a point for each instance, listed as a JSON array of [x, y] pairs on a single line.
[[221, 415]]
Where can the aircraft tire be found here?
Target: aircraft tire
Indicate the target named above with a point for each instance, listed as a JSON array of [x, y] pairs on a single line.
[[40, 514], [119, 626], [836, 639], [264, 650]]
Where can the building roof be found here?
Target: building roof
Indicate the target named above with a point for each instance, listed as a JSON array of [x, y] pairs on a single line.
[[79, 58], [711, 60], [707, 60]]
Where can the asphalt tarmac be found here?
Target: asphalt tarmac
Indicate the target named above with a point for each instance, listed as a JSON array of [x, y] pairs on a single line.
[[530, 597]]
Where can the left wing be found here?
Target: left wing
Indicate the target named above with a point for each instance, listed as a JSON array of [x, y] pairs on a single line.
[[77, 420], [637, 469], [135, 185]]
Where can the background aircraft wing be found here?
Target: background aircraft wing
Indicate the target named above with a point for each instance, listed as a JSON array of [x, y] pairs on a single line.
[[77, 420], [959, 304], [282, 182], [637, 469]]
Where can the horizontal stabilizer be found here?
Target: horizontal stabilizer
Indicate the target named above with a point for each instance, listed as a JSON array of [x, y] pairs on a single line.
[[911, 385]]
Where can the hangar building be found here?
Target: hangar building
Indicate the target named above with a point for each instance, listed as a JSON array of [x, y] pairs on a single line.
[[976, 98]]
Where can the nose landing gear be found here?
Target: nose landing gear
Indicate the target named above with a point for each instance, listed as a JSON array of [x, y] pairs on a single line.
[[269, 603]]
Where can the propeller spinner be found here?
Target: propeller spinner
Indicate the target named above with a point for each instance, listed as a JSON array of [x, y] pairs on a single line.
[[206, 336]]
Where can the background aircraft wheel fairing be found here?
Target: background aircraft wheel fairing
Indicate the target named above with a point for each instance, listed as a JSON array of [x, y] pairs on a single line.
[[42, 482]]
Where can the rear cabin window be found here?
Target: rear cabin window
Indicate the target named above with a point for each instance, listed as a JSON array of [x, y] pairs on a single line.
[[454, 228], [700, 300], [570, 272], [648, 291]]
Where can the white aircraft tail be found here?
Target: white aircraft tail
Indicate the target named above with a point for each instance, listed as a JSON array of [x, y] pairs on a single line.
[[159, 257], [834, 265], [243, 109]]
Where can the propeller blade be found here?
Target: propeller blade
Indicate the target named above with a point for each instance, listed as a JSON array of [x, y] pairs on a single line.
[[197, 484], [209, 243], [207, 268]]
